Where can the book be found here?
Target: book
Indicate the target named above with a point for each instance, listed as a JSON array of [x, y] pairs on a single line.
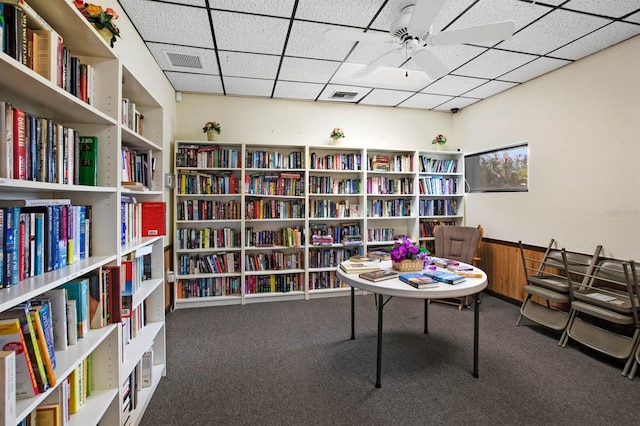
[[6, 140], [359, 267], [19, 145], [154, 218], [146, 369], [11, 235], [379, 254], [97, 312], [376, 276], [72, 322], [460, 267], [48, 415], [44, 307], [418, 280], [446, 277], [41, 341], [12, 339], [113, 277], [78, 290], [58, 297], [8, 387], [88, 168]]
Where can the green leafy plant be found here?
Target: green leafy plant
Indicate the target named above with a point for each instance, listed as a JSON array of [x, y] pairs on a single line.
[[101, 18], [441, 139], [337, 133], [212, 125]]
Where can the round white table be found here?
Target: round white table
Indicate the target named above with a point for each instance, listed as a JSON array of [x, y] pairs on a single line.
[[395, 287]]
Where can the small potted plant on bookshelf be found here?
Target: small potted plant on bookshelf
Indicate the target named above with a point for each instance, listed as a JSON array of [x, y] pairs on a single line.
[[439, 142], [212, 129], [101, 18], [337, 134], [407, 256]]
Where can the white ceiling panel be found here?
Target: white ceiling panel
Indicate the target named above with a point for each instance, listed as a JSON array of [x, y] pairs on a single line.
[[197, 83], [494, 63], [249, 33], [306, 41], [353, 12], [534, 69], [295, 90], [206, 57], [453, 85], [553, 31], [275, 48], [598, 40], [611, 8], [490, 89], [248, 87], [309, 70], [251, 65], [423, 101], [382, 97], [282, 8]]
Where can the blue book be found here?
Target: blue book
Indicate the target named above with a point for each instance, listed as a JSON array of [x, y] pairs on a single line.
[[78, 291], [46, 320], [62, 241], [55, 237], [39, 254], [83, 234], [445, 276], [11, 245]]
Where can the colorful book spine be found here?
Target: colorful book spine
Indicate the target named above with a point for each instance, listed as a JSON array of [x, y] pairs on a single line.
[[12, 339]]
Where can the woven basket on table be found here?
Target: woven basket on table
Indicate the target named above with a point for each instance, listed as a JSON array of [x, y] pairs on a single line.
[[409, 265]]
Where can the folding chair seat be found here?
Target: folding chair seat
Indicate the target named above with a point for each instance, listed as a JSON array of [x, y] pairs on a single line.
[[552, 282], [604, 312]]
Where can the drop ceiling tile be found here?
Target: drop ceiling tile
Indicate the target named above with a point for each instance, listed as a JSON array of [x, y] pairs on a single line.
[[365, 53], [382, 97], [306, 41], [494, 63], [553, 31], [296, 90], [459, 102], [332, 88], [197, 83], [490, 89], [608, 36], [354, 12], [151, 21], [309, 70], [534, 69], [453, 85], [488, 11], [234, 64], [248, 87], [423, 101], [249, 33], [199, 3], [207, 58], [382, 78], [613, 9], [282, 8], [634, 18]]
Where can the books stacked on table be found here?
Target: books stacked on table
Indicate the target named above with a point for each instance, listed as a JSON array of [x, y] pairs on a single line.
[[418, 280], [350, 267], [380, 254], [445, 276], [376, 276]]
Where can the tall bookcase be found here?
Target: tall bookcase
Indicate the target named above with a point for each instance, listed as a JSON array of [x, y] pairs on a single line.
[[297, 212], [113, 357]]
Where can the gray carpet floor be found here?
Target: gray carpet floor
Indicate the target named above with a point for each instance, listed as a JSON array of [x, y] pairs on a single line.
[[293, 363]]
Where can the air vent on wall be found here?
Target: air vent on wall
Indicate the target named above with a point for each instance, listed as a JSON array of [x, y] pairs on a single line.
[[343, 95], [185, 61]]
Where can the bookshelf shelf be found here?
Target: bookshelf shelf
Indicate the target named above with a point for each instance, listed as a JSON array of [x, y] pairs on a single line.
[[99, 115]]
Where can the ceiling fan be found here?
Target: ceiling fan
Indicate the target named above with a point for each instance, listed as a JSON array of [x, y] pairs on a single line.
[[412, 33]]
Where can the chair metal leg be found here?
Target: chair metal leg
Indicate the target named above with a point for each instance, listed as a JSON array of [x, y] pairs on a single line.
[[379, 361]]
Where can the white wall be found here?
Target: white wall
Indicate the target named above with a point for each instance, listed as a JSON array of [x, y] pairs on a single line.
[[582, 123]]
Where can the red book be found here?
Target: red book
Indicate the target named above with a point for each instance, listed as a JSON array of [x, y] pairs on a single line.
[[19, 145], [114, 290], [154, 218]]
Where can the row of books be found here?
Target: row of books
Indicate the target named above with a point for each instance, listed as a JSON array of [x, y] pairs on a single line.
[[131, 117], [207, 184], [435, 165], [389, 208], [274, 160], [274, 283], [208, 287], [141, 219], [331, 185], [274, 209], [437, 207], [426, 226], [284, 184], [208, 157], [39, 149], [29, 39], [137, 168], [41, 235], [386, 163], [208, 210], [324, 279], [336, 161], [337, 232], [141, 377], [205, 238], [333, 209], [273, 261], [288, 237], [215, 263], [384, 185], [381, 234], [327, 258], [436, 185]]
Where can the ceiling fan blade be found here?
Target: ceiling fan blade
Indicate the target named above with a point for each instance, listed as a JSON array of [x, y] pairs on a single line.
[[490, 32], [424, 13], [385, 60], [351, 35], [430, 63]]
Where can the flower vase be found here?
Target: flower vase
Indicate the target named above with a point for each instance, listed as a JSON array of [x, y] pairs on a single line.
[[106, 34], [211, 135], [336, 140], [440, 146]]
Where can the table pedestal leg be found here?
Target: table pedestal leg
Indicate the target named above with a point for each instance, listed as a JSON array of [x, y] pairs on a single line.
[[379, 363], [353, 315], [476, 327], [426, 316]]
